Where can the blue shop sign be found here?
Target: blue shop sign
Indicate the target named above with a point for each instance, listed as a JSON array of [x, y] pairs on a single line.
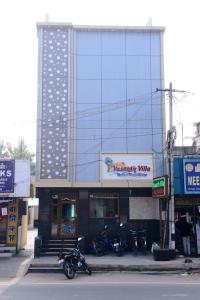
[[7, 172], [191, 171]]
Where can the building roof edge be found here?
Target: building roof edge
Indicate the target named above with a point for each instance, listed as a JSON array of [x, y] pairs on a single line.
[[100, 27]]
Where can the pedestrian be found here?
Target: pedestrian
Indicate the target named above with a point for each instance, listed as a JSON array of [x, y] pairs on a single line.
[[198, 234], [185, 230]]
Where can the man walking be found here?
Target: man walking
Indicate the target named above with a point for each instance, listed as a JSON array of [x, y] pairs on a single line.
[[185, 230]]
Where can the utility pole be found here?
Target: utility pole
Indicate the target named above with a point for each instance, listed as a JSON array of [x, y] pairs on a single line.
[[171, 136]]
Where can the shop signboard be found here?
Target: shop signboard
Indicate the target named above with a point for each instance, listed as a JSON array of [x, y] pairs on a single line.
[[132, 166], [160, 187], [12, 223], [7, 174], [14, 178], [191, 171]]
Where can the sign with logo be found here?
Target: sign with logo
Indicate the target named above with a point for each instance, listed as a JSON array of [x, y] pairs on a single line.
[[7, 171], [191, 171], [127, 166], [160, 187]]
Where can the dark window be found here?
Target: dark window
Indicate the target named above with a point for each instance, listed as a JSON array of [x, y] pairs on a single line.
[[103, 205]]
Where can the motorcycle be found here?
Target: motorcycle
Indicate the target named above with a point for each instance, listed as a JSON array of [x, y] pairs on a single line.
[[120, 241], [102, 242], [73, 262]]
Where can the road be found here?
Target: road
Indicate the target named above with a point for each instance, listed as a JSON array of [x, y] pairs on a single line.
[[103, 286]]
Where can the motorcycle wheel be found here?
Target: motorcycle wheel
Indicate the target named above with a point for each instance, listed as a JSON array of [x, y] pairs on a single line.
[[69, 271], [88, 270], [134, 248]]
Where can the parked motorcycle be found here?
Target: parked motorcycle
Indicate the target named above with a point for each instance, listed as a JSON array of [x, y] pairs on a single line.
[[133, 241], [102, 242], [73, 261], [138, 241], [120, 240]]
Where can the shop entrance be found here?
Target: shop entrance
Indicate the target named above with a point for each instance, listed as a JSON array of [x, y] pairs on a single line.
[[190, 208], [3, 224], [64, 216]]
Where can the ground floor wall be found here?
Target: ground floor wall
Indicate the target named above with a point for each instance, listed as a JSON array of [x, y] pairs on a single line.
[[13, 224], [96, 207], [189, 206]]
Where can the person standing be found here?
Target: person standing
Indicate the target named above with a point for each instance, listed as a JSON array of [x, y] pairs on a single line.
[[185, 230]]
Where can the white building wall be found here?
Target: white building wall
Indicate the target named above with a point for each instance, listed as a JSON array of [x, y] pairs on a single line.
[[143, 208]]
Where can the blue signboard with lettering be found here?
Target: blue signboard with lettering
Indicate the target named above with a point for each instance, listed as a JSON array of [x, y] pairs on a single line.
[[7, 172], [191, 171]]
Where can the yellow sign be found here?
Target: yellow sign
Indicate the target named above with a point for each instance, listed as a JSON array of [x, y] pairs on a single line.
[[12, 223]]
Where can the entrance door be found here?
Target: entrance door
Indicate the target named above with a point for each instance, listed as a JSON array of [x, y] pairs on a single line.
[[3, 224], [64, 217]]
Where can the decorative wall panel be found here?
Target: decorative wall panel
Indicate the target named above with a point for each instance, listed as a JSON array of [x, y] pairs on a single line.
[[54, 133]]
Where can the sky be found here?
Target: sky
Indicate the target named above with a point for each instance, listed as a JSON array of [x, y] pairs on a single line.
[[18, 54]]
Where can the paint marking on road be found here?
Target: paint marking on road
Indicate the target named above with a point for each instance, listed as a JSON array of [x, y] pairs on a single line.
[[109, 283], [175, 295]]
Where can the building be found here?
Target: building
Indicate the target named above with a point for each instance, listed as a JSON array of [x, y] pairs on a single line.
[[196, 139], [187, 190], [14, 189], [100, 128]]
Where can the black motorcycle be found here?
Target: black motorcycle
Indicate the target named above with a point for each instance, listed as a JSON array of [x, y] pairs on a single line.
[[120, 240], [73, 261], [102, 243]]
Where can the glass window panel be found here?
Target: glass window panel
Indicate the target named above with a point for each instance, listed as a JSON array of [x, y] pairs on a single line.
[[103, 206], [68, 212]]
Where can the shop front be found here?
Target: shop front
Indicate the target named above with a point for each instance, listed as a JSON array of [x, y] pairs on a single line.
[[14, 187], [187, 198], [3, 223], [65, 214], [68, 213], [8, 224], [124, 195]]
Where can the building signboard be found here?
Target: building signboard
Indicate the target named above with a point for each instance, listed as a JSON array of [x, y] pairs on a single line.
[[7, 174], [12, 223], [14, 178], [160, 187], [131, 166], [191, 171]]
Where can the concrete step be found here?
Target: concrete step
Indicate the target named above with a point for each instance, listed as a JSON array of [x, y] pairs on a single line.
[[60, 241], [58, 244], [49, 253], [43, 269], [61, 249], [53, 246]]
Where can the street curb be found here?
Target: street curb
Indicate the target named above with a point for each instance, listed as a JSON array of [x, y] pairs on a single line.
[[189, 267], [143, 268], [24, 266]]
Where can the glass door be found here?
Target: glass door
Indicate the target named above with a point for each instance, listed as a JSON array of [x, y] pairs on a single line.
[[54, 221], [64, 217], [68, 220]]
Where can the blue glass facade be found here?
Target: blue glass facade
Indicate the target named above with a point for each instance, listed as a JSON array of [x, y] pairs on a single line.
[[97, 95]]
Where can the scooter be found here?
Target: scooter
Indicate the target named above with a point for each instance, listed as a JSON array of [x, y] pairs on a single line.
[[73, 262], [102, 242]]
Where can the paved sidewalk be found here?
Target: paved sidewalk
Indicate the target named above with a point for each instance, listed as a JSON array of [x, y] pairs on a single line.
[[127, 262], [17, 265]]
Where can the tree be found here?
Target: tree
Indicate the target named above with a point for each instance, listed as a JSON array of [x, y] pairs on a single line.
[[3, 150], [19, 152]]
